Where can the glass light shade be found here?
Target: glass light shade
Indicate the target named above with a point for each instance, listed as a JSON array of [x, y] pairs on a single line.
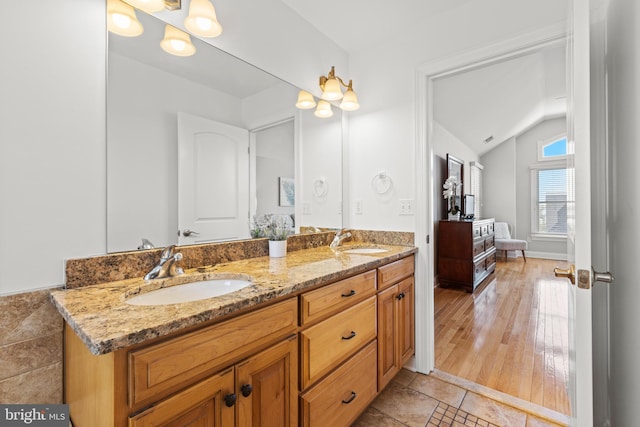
[[332, 90], [349, 101], [149, 6], [202, 20], [324, 110], [177, 42], [305, 100], [122, 19]]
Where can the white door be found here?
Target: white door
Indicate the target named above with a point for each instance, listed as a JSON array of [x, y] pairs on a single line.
[[579, 221], [213, 181]]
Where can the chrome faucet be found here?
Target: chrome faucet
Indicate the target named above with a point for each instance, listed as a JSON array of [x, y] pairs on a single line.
[[167, 266], [339, 237]]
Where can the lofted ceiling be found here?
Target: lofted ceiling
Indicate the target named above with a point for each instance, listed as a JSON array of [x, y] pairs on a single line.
[[501, 100]]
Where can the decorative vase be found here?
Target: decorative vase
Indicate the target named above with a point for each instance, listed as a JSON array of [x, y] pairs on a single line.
[[454, 217], [277, 248]]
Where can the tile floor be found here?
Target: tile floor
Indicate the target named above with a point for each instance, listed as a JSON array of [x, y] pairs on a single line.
[[418, 400]]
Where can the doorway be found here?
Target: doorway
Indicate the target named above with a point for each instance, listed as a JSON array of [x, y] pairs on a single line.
[[430, 185]]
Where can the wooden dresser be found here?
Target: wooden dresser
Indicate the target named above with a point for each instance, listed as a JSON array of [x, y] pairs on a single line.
[[466, 252]]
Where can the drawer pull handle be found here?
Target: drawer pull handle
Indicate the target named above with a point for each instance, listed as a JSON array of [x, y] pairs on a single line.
[[353, 334], [230, 400], [246, 390], [349, 400], [350, 294]]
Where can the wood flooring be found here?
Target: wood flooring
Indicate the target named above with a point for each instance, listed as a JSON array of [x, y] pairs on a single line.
[[511, 334]]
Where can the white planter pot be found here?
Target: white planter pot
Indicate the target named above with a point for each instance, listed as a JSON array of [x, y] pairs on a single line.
[[277, 248]]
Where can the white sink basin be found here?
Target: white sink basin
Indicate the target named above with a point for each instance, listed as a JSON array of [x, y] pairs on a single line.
[[189, 292], [365, 251]]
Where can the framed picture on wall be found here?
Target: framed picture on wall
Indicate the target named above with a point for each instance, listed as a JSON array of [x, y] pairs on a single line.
[[455, 167], [287, 190]]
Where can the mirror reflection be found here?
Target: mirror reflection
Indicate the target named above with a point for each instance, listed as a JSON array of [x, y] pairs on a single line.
[[197, 146]]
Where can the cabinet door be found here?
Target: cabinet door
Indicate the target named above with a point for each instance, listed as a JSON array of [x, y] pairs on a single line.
[[388, 363], [396, 329], [406, 320], [208, 403], [266, 385]]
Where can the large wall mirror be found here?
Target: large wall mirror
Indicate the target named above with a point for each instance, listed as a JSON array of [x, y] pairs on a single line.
[[152, 97]]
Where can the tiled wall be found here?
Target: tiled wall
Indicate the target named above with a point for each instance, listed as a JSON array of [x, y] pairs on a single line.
[[30, 349]]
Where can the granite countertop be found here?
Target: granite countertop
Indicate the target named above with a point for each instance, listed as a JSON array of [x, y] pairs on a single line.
[[105, 322]]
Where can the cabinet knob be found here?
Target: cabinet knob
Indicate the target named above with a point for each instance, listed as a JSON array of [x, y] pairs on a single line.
[[400, 295], [351, 335], [230, 400], [246, 390], [350, 399]]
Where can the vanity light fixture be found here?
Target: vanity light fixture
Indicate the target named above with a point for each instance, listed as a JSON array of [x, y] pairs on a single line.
[[202, 20], [305, 100], [122, 19], [331, 86], [324, 110], [177, 42]]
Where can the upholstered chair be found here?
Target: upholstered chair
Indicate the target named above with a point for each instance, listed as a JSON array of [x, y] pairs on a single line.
[[505, 243]]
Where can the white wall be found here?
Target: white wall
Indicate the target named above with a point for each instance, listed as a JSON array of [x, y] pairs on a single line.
[[319, 156], [499, 182], [623, 66], [52, 139], [444, 142], [274, 159], [382, 133], [52, 134], [507, 184]]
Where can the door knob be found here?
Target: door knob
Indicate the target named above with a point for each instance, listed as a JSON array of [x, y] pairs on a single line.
[[187, 232], [605, 277], [569, 273]]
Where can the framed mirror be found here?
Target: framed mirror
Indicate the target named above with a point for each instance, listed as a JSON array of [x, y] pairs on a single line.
[[148, 88], [455, 167]]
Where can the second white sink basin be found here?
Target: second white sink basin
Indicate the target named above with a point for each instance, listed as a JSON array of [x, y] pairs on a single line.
[[365, 251], [189, 292]]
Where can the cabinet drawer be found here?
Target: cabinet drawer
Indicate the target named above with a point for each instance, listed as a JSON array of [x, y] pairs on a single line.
[[478, 247], [333, 298], [344, 394], [161, 369], [331, 341], [491, 227], [394, 272], [489, 242], [479, 268], [490, 261]]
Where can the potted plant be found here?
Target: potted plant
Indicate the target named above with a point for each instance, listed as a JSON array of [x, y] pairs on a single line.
[[276, 228], [450, 192]]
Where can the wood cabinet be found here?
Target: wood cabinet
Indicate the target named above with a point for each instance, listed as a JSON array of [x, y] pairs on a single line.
[[240, 372], [315, 359], [396, 325], [466, 252]]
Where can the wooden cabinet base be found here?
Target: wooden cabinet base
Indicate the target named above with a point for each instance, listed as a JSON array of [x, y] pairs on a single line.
[[340, 398]]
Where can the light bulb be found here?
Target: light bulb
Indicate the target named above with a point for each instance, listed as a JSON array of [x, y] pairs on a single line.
[[305, 100], [324, 110], [177, 42], [202, 20]]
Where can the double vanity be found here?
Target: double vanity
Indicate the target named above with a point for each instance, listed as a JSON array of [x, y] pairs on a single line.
[[309, 339]]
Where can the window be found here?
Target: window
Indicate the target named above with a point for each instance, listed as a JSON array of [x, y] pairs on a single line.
[[475, 169], [551, 201], [552, 149]]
